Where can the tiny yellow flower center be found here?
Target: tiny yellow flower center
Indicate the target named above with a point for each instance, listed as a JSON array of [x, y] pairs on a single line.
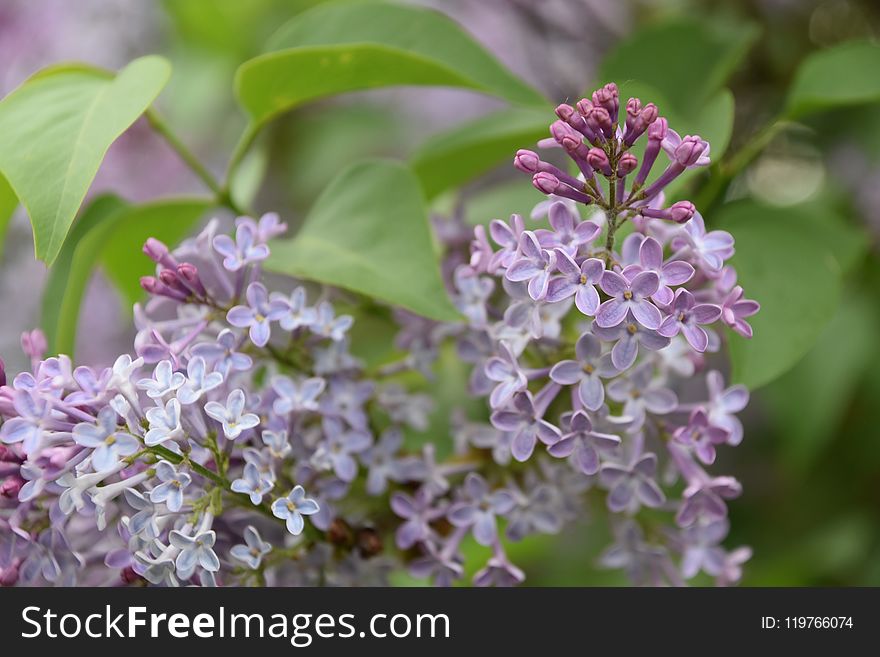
[[588, 368], [628, 295], [632, 329], [110, 440], [583, 279]]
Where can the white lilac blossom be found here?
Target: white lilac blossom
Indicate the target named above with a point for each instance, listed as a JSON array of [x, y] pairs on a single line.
[[232, 397], [242, 425]]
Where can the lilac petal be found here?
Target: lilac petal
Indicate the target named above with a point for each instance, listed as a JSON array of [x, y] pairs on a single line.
[[663, 295], [402, 505], [705, 313], [547, 432], [462, 515], [408, 534], [620, 497], [257, 296], [566, 264], [624, 353], [696, 337], [676, 272], [613, 284], [504, 391], [529, 245], [523, 445], [522, 270], [611, 313], [670, 327], [646, 313], [506, 420], [104, 458], [561, 218], [660, 400], [651, 254], [563, 448], [734, 399], [485, 529], [559, 289], [586, 231], [295, 523], [475, 486], [566, 372], [587, 459], [538, 285], [240, 316], [652, 340], [591, 392], [259, 333], [645, 284], [345, 467], [587, 300], [650, 494]]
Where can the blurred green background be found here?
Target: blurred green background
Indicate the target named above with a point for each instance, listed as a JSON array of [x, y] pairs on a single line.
[[810, 462]]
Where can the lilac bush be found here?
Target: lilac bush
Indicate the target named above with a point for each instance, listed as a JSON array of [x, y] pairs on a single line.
[[241, 442]]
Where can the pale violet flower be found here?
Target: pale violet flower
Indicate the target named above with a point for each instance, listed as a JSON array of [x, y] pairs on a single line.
[[198, 381], [327, 325], [254, 549], [258, 315], [292, 508], [164, 423], [296, 396], [109, 444], [232, 415], [195, 551], [253, 483], [223, 354], [170, 491], [165, 381]]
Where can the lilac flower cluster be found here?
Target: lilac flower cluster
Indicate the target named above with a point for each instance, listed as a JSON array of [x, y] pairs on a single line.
[[243, 443], [234, 447], [587, 350]]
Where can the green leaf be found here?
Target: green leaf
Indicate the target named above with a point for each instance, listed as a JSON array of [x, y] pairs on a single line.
[[8, 203], [168, 220], [789, 260], [109, 233], [686, 60], [420, 32], [55, 130], [71, 272], [339, 47], [452, 158], [368, 232], [837, 77]]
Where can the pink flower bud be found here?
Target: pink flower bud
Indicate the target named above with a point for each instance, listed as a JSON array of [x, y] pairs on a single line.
[[682, 211], [626, 164], [33, 344], [690, 151], [599, 160], [658, 129], [546, 183], [526, 161]]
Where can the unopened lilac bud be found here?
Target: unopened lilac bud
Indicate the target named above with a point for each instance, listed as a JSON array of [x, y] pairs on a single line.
[[640, 123], [529, 162], [10, 487], [156, 287], [626, 164], [584, 106], [656, 134], [159, 253], [526, 161], [189, 275], [574, 119], [600, 121], [2, 373], [172, 280], [679, 212], [547, 183], [608, 98], [682, 211], [658, 129], [633, 109], [599, 160], [9, 575], [690, 151], [33, 344]]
